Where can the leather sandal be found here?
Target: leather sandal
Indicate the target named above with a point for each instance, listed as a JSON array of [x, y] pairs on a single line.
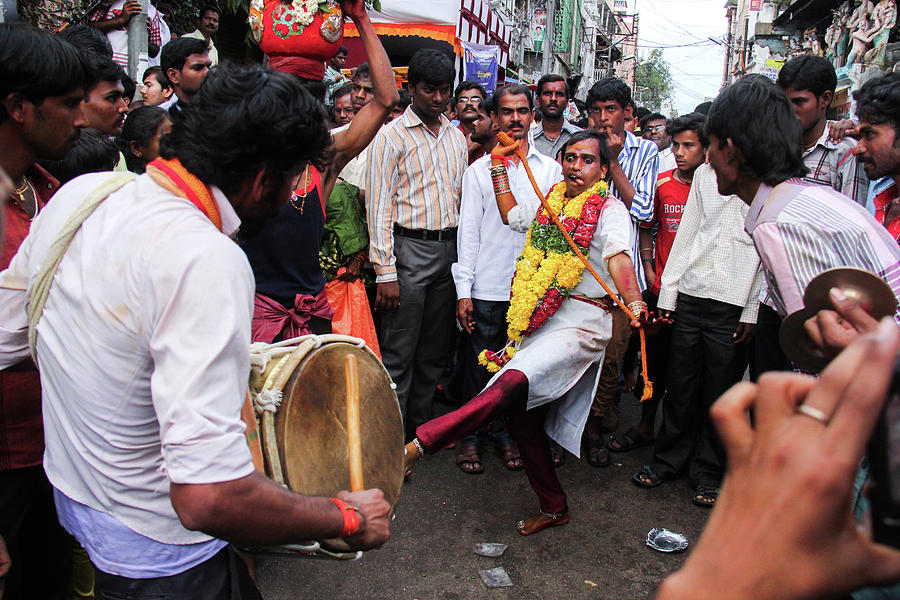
[[468, 460], [541, 521], [512, 459]]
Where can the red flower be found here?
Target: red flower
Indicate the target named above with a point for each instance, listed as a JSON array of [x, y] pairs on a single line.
[[543, 219], [281, 29], [569, 224], [297, 27]]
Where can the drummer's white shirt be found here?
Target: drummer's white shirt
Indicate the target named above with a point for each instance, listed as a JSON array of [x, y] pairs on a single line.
[[143, 349]]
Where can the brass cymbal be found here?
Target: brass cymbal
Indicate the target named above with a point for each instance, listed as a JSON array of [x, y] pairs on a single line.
[[874, 295], [797, 344]]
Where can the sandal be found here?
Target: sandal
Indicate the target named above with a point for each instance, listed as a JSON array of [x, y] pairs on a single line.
[[468, 460], [411, 453], [630, 440], [541, 521], [705, 496], [512, 460], [557, 454], [647, 478], [597, 456]]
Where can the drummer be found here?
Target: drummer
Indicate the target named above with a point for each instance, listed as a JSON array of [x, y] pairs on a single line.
[[143, 346], [549, 382], [799, 229]]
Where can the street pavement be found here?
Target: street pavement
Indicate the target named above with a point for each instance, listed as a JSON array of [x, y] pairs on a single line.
[[443, 512]]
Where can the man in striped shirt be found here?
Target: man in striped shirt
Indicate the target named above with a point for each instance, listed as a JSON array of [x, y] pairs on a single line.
[[799, 229], [633, 170], [415, 170]]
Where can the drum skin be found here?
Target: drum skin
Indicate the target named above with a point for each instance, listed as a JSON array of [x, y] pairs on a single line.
[[311, 432]]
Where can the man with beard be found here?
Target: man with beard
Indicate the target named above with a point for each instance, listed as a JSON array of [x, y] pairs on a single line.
[[467, 98], [144, 377], [878, 107], [186, 63], [415, 170], [554, 130], [41, 114], [207, 26], [487, 251]]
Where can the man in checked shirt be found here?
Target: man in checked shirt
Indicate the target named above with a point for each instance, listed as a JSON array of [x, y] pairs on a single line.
[[809, 82]]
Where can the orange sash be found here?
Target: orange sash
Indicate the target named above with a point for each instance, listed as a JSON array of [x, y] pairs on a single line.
[[172, 175]]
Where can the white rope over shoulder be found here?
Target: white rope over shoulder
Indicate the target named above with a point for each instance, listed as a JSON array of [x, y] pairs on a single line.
[[44, 281]]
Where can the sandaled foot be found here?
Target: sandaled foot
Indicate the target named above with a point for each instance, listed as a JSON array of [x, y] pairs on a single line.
[[411, 453], [630, 440], [541, 521], [512, 460], [705, 496], [557, 454], [597, 456], [647, 478], [468, 460]]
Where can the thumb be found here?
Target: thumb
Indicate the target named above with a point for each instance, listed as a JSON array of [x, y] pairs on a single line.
[[883, 565]]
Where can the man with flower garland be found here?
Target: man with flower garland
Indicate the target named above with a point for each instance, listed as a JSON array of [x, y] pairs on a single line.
[[486, 257], [559, 321]]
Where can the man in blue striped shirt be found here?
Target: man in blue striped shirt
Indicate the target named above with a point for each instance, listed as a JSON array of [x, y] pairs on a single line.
[[633, 170]]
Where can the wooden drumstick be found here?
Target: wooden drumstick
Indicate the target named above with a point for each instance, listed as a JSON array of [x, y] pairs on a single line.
[[354, 447]]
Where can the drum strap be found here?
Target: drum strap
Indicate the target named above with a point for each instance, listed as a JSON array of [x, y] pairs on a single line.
[[44, 280]]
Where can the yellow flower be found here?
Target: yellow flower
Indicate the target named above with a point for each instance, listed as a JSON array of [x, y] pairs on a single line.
[[537, 270]]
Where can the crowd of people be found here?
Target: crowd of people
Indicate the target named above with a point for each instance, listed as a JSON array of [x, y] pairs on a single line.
[[493, 253]]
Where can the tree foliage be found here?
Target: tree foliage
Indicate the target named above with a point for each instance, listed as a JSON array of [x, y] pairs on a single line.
[[653, 81]]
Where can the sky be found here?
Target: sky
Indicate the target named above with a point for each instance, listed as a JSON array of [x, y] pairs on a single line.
[[682, 29]]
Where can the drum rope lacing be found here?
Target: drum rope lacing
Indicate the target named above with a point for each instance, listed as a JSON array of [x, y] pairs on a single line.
[[269, 397]]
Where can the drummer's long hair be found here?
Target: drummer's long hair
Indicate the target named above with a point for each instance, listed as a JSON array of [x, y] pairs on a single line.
[[246, 118]]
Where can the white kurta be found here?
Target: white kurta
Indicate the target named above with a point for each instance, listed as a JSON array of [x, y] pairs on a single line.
[[562, 359]]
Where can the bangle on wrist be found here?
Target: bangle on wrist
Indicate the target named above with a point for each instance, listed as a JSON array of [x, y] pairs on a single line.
[[350, 514]]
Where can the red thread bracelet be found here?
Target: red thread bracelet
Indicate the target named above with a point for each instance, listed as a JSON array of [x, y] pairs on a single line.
[[350, 514]]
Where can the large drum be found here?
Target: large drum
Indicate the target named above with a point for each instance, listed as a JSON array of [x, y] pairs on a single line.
[[298, 390]]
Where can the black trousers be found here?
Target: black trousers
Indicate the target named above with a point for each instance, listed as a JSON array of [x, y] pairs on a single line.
[[39, 548], [222, 577], [704, 361], [767, 354]]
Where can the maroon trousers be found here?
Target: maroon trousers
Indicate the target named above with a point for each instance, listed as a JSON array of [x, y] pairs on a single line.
[[508, 395]]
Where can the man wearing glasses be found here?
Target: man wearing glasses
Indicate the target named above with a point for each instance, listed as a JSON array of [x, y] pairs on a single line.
[[552, 133], [467, 98], [653, 128]]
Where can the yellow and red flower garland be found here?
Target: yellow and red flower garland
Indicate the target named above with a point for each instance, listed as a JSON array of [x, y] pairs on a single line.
[[548, 269]]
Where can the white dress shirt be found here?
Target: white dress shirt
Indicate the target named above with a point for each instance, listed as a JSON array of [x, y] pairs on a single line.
[[486, 248], [666, 160], [712, 256], [143, 349]]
